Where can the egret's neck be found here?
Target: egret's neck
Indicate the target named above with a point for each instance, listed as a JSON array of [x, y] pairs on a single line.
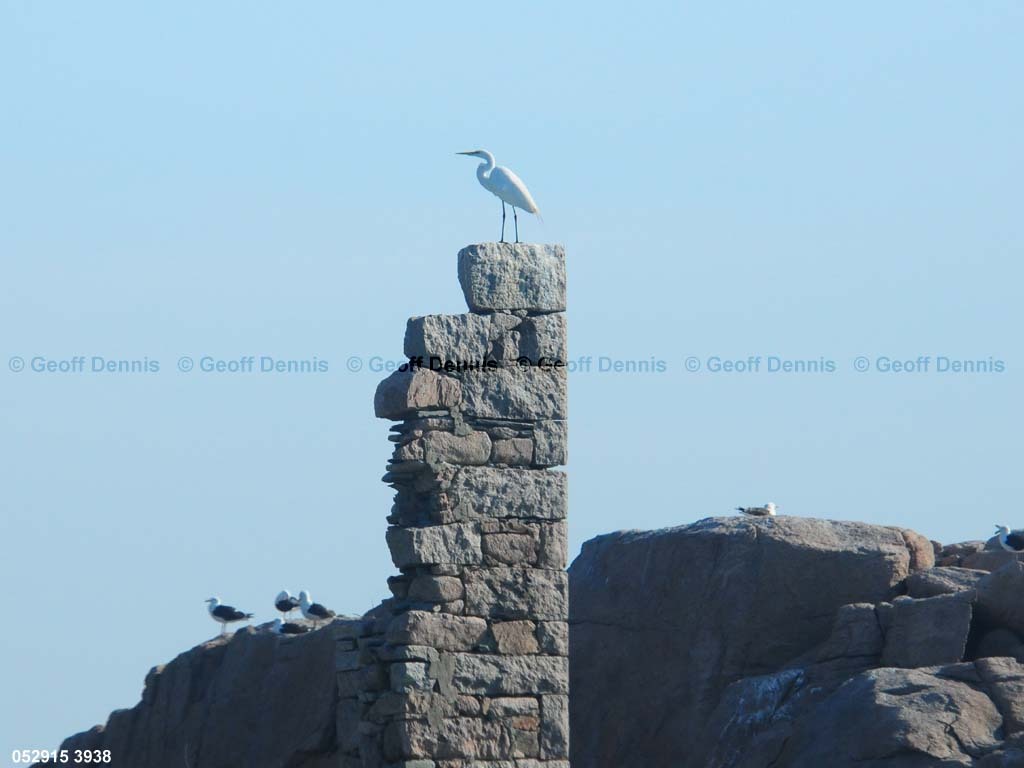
[[484, 169]]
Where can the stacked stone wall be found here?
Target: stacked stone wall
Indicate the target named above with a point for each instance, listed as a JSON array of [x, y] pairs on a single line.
[[466, 666]]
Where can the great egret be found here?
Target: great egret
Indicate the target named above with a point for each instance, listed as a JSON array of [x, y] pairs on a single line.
[[505, 185]]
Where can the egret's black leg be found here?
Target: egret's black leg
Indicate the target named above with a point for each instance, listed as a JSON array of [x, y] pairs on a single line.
[[503, 221], [515, 218]]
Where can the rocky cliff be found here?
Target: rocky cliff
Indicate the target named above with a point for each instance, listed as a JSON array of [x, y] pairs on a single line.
[[740, 643], [780, 643], [253, 698]]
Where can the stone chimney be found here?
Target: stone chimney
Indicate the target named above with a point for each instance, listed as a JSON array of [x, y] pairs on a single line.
[[467, 665]]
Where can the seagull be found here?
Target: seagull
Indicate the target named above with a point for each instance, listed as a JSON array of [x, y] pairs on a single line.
[[313, 611], [768, 510], [1011, 541], [285, 603], [504, 185], [225, 614], [288, 628]]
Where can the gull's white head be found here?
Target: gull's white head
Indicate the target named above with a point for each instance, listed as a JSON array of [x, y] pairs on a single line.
[[304, 597], [284, 594], [1002, 530], [276, 626], [771, 507], [212, 600]]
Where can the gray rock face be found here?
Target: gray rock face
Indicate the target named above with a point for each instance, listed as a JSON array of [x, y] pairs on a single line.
[[719, 625], [404, 392], [506, 276], [448, 337], [928, 632], [990, 559], [255, 699], [1001, 598], [499, 336], [444, 447], [977, 555], [441, 631], [765, 592], [510, 675], [492, 492], [524, 393], [942, 581], [458, 543], [898, 718], [963, 714]]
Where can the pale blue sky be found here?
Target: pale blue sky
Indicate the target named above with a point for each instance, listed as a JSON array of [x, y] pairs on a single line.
[[233, 179]]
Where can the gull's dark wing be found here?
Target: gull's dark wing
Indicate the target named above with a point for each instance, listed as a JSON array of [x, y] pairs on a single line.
[[1016, 540], [228, 613], [320, 611]]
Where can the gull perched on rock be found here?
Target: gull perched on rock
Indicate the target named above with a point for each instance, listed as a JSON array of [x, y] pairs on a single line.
[[768, 510], [313, 611], [504, 185], [285, 603], [288, 628], [1011, 541], [225, 614]]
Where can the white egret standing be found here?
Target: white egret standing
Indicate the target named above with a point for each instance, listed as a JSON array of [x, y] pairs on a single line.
[[504, 185]]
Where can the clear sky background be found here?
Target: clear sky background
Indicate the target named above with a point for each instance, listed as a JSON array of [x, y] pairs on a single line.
[[801, 179]]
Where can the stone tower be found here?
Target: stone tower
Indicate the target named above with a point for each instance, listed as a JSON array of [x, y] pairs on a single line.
[[467, 665]]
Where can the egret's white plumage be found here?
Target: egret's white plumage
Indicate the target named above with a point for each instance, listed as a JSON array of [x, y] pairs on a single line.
[[504, 185], [1011, 541]]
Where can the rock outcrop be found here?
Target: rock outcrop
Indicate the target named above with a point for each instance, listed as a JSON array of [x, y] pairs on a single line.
[[253, 698], [730, 643], [738, 643]]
